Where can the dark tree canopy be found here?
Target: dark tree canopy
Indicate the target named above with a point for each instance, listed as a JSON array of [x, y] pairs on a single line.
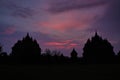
[[118, 57], [0, 48], [118, 54], [98, 50], [27, 47]]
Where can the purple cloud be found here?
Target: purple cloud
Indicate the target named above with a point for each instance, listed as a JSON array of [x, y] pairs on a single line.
[[16, 10], [68, 5], [7, 29]]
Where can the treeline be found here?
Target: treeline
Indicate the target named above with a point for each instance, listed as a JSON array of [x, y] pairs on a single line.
[[28, 51]]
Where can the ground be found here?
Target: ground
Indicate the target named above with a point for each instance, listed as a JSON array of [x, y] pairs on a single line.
[[60, 72]]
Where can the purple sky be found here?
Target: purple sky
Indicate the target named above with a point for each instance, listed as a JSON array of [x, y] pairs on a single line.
[[59, 24]]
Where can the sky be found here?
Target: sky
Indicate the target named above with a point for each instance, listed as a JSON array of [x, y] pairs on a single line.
[[59, 24]]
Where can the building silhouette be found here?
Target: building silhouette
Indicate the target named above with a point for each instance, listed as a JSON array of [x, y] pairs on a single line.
[[74, 55], [26, 49], [98, 50]]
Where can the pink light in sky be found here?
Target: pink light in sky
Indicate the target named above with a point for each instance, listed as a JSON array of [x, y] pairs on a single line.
[[71, 20], [65, 21], [63, 44]]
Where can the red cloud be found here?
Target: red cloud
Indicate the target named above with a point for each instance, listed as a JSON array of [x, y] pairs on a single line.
[[65, 22], [63, 44]]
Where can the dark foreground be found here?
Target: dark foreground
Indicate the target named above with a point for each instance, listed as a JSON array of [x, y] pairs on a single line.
[[60, 72]]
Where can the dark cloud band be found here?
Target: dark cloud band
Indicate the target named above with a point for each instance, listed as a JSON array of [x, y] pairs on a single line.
[[62, 7]]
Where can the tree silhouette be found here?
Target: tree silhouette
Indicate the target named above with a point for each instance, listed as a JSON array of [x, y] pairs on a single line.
[[118, 57], [54, 56], [98, 50], [26, 49], [0, 48], [3, 56], [118, 53]]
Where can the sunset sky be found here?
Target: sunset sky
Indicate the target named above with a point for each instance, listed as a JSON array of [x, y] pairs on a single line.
[[59, 24]]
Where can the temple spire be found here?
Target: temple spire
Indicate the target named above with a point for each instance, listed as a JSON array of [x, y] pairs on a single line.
[[27, 37], [96, 34], [27, 34], [73, 53]]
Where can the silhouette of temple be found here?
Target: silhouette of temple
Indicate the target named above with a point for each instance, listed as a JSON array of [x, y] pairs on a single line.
[[26, 49], [74, 56], [98, 50]]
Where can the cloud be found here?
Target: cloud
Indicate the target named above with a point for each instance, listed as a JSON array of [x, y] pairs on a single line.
[[69, 24], [7, 29], [110, 22], [67, 44], [55, 30], [68, 5], [23, 12], [15, 9]]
